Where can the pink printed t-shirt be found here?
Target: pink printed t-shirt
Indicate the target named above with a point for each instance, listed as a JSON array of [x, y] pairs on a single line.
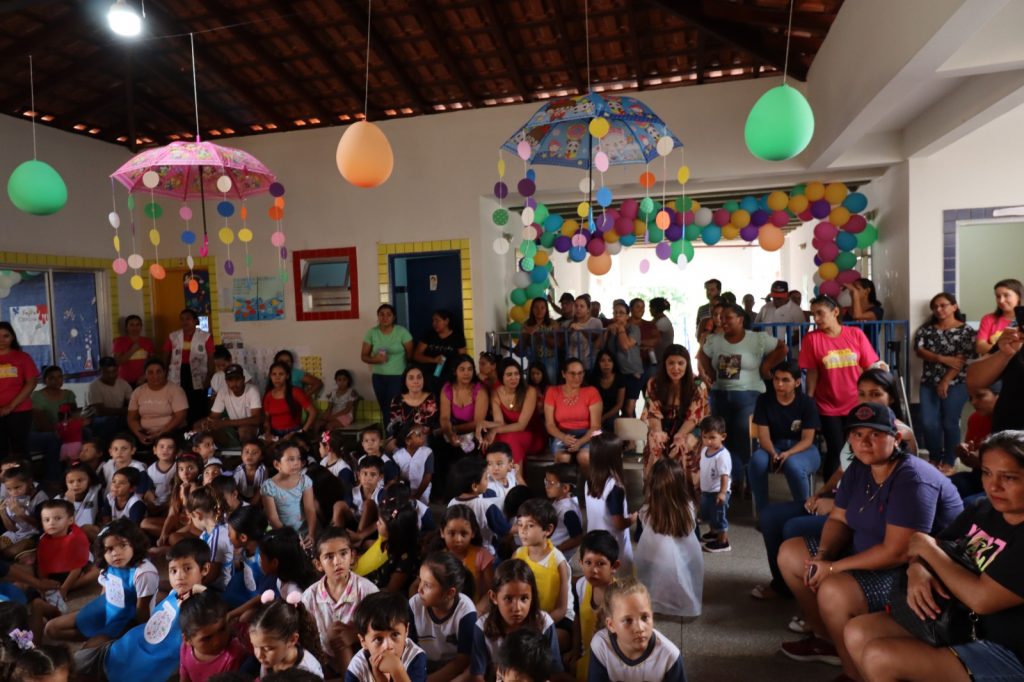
[[229, 660], [576, 415], [839, 362], [991, 327]]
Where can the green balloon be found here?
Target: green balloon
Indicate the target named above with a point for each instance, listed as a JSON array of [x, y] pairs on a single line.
[[867, 236], [36, 188], [688, 250], [692, 232], [846, 260], [677, 250], [540, 214], [514, 327], [647, 207], [798, 190], [731, 205], [780, 124], [518, 296], [547, 240], [655, 234], [684, 203], [528, 248], [536, 290]]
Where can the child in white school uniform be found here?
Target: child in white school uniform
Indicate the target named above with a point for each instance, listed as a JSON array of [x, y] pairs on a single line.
[[605, 494], [715, 476], [502, 472], [468, 480], [443, 615], [416, 461]]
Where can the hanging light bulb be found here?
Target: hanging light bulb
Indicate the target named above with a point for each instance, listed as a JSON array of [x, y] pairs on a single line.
[[124, 20]]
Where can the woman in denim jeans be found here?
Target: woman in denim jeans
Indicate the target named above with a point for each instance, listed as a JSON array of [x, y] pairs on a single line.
[[945, 343], [739, 362]]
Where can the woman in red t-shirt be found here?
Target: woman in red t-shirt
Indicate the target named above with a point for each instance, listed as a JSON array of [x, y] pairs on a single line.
[[132, 350], [283, 404], [572, 415], [18, 376]]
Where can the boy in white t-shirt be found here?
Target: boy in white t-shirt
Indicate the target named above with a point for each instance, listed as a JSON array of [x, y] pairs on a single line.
[[715, 474]]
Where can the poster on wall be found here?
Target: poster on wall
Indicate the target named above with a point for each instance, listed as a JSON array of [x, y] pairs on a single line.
[[258, 298], [31, 324]]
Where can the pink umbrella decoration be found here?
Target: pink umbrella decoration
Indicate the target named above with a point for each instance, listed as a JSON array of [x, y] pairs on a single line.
[[181, 164]]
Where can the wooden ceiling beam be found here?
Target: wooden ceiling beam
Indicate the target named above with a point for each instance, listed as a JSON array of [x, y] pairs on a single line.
[[634, 34], [581, 84], [98, 61], [34, 42], [380, 47], [164, 24], [497, 32], [425, 17], [816, 23], [737, 35]]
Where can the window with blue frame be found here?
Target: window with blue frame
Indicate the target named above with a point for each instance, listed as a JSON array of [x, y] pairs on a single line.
[[55, 314]]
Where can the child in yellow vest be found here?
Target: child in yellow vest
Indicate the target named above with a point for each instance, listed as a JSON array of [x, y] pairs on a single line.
[[537, 519], [599, 554]]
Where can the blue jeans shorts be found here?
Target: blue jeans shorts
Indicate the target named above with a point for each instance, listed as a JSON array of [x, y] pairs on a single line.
[[714, 514], [987, 661]]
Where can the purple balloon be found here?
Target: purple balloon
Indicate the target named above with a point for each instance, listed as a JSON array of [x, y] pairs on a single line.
[[749, 233], [604, 222], [828, 252], [500, 190], [663, 250], [820, 209], [817, 261], [674, 233], [531, 202], [758, 218], [825, 230], [720, 217], [276, 189], [284, 253], [229, 267], [526, 187], [562, 243]]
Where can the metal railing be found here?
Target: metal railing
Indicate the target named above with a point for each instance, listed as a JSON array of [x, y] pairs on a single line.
[[548, 347]]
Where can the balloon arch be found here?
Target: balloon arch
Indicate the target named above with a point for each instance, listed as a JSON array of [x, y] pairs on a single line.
[[673, 226]]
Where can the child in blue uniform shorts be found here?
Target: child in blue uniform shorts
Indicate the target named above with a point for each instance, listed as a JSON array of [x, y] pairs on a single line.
[[150, 651], [246, 528]]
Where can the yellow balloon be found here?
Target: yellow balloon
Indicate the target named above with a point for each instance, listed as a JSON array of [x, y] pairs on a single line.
[[501, 168], [117, 243], [730, 231], [798, 203], [694, 205], [583, 209], [828, 271], [136, 282], [518, 314], [600, 265], [683, 175], [245, 235], [839, 216], [541, 258], [226, 235], [570, 227], [599, 127], [835, 193], [154, 237], [639, 227], [770, 237], [814, 191], [740, 218], [611, 236], [778, 200]]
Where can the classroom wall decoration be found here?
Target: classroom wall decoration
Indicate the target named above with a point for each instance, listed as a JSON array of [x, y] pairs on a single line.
[[258, 298]]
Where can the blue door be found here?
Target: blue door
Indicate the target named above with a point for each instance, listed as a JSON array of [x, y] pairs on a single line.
[[422, 283]]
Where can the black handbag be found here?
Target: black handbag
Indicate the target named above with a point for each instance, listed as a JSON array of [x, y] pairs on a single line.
[[955, 624]]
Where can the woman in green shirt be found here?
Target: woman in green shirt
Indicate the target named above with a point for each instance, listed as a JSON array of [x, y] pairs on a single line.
[[46, 409], [387, 348]]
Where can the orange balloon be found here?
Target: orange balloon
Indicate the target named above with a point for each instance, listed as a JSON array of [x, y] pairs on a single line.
[[730, 231], [541, 257], [193, 286], [639, 227], [839, 216], [364, 155], [814, 191], [778, 200], [599, 265], [770, 237], [647, 179], [275, 212], [279, 202], [798, 203]]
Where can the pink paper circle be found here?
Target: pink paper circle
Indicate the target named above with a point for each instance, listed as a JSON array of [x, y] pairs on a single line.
[[185, 212], [277, 239], [645, 265], [579, 240], [523, 149], [601, 162], [120, 266]]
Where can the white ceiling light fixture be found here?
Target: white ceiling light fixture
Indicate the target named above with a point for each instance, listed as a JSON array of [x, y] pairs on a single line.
[[124, 19]]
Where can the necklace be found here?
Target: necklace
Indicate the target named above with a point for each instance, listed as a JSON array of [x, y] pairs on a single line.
[[502, 393], [570, 401], [867, 491]]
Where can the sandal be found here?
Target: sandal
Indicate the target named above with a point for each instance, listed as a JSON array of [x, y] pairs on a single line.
[[799, 626], [764, 592]]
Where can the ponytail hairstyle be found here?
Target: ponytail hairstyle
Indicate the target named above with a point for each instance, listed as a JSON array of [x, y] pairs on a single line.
[[450, 573], [284, 546], [512, 571], [36, 662], [402, 522], [119, 528], [623, 588], [282, 618], [335, 440], [206, 500]]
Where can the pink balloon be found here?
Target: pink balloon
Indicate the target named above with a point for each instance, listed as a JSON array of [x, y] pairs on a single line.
[[596, 247], [720, 217], [629, 208], [624, 226], [855, 224], [848, 276], [120, 266], [825, 230], [523, 149], [830, 288], [828, 252], [687, 219], [779, 218], [818, 243], [601, 162], [185, 212], [645, 265]]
